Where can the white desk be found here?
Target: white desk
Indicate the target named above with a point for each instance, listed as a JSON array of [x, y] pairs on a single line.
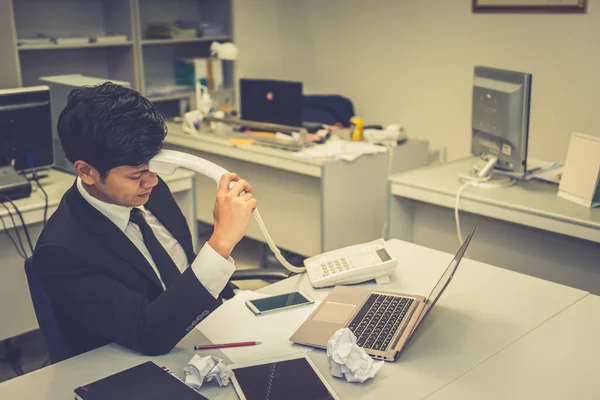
[[525, 228], [484, 310], [558, 360], [16, 311], [308, 206]]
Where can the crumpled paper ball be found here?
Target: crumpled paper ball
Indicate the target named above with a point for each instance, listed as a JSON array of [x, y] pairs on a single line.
[[347, 359]]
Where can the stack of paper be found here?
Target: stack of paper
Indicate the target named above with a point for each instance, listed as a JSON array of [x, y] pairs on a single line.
[[273, 329], [178, 29], [110, 39], [72, 40]]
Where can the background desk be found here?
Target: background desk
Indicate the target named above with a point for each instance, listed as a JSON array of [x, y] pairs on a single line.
[[525, 228], [308, 206], [484, 310], [558, 360], [16, 311]]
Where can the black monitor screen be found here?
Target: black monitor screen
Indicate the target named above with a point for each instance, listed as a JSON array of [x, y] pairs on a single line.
[[276, 102], [290, 380], [25, 128]]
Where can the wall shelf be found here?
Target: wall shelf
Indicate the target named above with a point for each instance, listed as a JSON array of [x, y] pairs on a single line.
[[152, 42], [144, 63], [52, 46]]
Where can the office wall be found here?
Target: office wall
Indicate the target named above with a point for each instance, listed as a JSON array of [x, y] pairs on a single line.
[[271, 38], [256, 31], [9, 70], [411, 61]]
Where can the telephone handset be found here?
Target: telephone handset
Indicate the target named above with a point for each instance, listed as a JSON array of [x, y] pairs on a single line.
[[166, 162]]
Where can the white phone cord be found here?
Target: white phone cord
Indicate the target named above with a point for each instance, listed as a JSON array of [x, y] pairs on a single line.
[[456, 217], [390, 149], [273, 246]]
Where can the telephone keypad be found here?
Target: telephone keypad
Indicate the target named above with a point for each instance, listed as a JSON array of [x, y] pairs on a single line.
[[335, 265]]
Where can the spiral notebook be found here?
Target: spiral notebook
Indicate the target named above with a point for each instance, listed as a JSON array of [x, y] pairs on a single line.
[[146, 381]]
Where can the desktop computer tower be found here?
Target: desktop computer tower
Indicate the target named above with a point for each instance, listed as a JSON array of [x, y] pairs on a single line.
[[60, 87]]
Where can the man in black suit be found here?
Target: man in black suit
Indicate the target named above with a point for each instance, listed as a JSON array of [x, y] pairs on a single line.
[[116, 257]]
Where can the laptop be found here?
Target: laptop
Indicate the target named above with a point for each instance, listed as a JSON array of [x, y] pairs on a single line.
[[383, 322], [276, 102]]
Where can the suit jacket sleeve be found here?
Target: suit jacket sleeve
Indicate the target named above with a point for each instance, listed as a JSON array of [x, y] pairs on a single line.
[[91, 297]]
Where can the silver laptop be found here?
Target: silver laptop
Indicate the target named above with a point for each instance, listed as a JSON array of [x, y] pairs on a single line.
[[383, 322]]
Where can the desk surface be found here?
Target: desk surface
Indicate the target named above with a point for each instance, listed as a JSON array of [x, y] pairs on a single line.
[[56, 184], [559, 360], [484, 310], [279, 158], [439, 184]]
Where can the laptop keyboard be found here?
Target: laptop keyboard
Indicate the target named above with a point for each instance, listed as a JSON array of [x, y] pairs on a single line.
[[378, 319]]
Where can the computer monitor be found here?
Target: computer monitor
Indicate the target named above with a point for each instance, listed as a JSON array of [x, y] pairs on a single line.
[[26, 128], [276, 102], [500, 124]]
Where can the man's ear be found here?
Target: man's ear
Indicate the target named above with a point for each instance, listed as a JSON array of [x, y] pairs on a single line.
[[86, 172]]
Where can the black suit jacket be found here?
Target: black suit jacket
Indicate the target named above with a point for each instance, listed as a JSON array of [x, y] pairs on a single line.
[[102, 288]]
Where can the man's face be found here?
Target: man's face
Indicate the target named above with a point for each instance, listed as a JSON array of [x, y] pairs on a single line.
[[124, 185]]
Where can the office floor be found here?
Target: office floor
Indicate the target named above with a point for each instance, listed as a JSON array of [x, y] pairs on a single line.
[[246, 254]]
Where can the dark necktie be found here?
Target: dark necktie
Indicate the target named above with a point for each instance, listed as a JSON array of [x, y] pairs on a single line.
[[164, 263]]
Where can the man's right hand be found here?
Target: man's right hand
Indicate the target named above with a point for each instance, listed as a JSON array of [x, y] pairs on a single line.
[[232, 213]]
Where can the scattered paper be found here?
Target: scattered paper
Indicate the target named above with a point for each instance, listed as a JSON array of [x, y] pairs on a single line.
[[205, 369], [340, 149], [348, 360], [287, 138], [549, 171], [273, 330], [552, 176], [534, 164]]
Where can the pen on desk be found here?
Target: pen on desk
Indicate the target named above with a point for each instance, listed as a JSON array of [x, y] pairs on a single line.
[[225, 345]]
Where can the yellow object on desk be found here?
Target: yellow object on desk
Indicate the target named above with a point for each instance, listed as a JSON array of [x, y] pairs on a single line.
[[263, 134], [357, 129], [241, 142]]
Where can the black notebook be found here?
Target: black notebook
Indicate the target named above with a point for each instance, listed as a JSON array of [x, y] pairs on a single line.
[[145, 381]]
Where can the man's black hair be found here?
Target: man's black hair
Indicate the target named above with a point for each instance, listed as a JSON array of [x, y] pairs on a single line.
[[108, 126]]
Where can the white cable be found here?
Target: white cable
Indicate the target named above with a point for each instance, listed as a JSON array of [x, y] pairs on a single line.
[[456, 217], [389, 173], [273, 246]]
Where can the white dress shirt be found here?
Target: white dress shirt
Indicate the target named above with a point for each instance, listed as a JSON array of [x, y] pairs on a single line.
[[211, 269]]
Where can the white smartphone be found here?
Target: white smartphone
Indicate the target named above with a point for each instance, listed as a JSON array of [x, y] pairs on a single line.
[[280, 302]]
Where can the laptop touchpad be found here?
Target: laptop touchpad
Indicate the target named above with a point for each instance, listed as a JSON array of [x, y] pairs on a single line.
[[336, 313]]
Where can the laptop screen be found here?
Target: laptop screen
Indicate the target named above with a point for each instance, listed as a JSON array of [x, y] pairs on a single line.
[[276, 102], [446, 277]]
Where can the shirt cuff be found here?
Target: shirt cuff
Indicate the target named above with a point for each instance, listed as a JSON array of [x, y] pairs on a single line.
[[212, 270]]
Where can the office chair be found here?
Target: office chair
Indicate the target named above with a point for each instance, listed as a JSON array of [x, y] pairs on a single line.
[[56, 344], [327, 109]]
